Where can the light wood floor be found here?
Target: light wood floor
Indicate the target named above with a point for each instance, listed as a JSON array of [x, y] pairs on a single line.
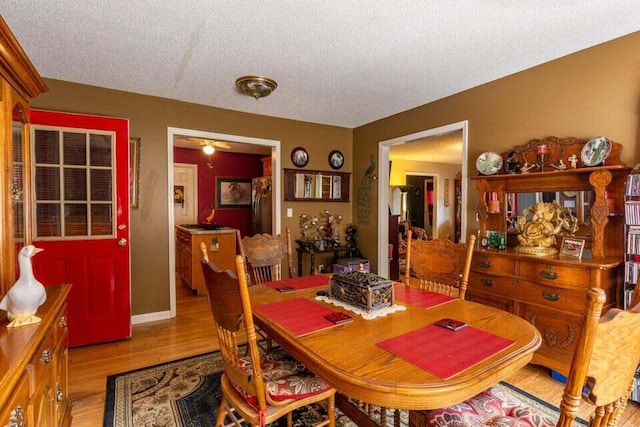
[[191, 333]]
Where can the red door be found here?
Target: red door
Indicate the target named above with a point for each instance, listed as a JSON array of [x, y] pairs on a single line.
[[80, 216]]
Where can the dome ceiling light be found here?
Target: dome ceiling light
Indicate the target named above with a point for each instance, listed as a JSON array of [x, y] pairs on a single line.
[[256, 86], [208, 149]]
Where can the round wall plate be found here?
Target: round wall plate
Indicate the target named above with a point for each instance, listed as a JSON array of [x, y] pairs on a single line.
[[299, 157], [489, 163], [595, 151], [336, 159]]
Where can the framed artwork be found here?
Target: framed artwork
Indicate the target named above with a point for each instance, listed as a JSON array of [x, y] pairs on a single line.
[[572, 247], [134, 172], [299, 157], [178, 194], [446, 193], [336, 159], [233, 193]]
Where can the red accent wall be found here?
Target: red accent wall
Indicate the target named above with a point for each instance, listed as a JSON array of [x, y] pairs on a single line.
[[238, 165]]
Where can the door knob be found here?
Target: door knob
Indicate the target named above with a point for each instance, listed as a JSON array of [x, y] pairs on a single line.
[[122, 242]]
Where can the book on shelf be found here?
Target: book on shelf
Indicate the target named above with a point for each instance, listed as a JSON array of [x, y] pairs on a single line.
[[633, 185]]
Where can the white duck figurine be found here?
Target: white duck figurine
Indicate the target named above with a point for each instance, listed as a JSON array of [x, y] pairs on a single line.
[[26, 295]]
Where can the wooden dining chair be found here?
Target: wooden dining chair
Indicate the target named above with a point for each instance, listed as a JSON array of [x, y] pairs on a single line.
[[256, 388], [264, 253], [601, 375], [439, 265]]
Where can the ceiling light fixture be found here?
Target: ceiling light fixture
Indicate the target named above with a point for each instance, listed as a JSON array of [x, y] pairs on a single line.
[[208, 149], [256, 86]]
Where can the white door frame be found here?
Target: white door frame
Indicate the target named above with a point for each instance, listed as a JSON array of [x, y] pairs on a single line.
[[383, 184], [275, 162]]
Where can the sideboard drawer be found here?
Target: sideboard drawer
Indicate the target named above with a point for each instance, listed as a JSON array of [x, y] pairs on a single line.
[[498, 285], [493, 264], [551, 274], [573, 300]]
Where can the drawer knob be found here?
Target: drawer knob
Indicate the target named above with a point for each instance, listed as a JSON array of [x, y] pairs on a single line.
[[16, 418], [486, 282], [549, 275], [485, 264], [63, 322], [47, 357], [550, 296], [59, 393]]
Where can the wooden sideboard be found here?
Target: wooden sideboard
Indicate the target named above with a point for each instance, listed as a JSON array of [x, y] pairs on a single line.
[[34, 362], [221, 244], [549, 291]]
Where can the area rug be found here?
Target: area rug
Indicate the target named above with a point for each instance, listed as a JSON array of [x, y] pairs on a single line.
[[186, 393]]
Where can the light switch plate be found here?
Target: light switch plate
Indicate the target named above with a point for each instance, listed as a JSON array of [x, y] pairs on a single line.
[[289, 212]]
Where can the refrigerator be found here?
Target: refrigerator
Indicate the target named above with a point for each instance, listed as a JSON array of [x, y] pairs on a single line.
[[261, 205]]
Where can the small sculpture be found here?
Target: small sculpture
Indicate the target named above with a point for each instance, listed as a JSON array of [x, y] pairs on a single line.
[[538, 234], [26, 295], [511, 165], [560, 166], [527, 167], [573, 160]]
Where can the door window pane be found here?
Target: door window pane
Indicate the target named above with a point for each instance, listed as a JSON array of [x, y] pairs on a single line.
[[45, 144], [75, 148], [74, 198]]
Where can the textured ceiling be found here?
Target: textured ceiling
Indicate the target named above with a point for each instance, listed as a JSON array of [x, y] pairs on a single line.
[[338, 62]]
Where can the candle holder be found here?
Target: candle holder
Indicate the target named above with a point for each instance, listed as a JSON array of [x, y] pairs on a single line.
[[542, 153]]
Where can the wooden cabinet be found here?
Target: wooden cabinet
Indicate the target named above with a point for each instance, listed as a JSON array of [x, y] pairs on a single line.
[[19, 81], [221, 245], [33, 358], [34, 387], [550, 291], [547, 291]]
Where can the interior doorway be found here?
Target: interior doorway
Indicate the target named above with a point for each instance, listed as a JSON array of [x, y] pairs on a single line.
[[384, 180], [239, 142]]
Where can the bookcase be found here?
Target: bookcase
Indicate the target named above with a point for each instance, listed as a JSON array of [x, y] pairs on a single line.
[[632, 250], [632, 233]]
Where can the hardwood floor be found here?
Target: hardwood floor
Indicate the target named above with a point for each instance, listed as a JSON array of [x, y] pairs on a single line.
[[190, 333]]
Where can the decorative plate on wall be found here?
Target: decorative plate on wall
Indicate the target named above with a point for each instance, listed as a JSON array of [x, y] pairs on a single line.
[[489, 163], [336, 159], [595, 151], [299, 157]]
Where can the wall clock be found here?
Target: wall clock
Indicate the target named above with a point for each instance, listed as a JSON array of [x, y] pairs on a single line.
[[336, 159], [299, 157]]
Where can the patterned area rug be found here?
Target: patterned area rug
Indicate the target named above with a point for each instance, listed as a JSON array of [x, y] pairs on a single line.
[[186, 393]]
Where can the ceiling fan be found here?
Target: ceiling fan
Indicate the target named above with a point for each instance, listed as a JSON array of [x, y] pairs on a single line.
[[206, 144]]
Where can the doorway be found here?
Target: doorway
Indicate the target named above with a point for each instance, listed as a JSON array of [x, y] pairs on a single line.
[[384, 170], [239, 141]]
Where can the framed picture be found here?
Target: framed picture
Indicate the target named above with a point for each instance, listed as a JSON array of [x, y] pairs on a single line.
[[134, 172], [233, 193], [336, 159], [572, 247], [299, 157]]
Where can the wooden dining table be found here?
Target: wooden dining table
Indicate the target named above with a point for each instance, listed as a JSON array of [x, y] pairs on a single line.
[[350, 356]]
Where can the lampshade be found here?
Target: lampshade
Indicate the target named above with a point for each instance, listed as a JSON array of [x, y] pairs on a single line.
[[208, 149], [256, 86]]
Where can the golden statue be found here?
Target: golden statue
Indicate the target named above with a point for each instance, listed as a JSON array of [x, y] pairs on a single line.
[[538, 234]]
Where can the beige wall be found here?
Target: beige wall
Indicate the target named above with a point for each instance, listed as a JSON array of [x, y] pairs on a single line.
[[589, 93], [149, 118]]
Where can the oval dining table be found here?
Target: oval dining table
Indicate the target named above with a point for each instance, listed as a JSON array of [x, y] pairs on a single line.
[[350, 358]]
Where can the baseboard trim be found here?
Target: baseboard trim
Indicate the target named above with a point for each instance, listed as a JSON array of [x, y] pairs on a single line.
[[150, 317]]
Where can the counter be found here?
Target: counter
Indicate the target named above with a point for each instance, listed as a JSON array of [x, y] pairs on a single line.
[[221, 248]]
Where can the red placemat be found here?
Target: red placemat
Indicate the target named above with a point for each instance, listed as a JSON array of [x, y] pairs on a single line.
[[418, 297], [299, 283], [299, 315], [444, 352]]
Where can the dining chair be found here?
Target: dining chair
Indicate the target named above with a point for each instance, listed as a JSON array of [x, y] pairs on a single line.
[[264, 254], [439, 265], [257, 388], [601, 375]]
